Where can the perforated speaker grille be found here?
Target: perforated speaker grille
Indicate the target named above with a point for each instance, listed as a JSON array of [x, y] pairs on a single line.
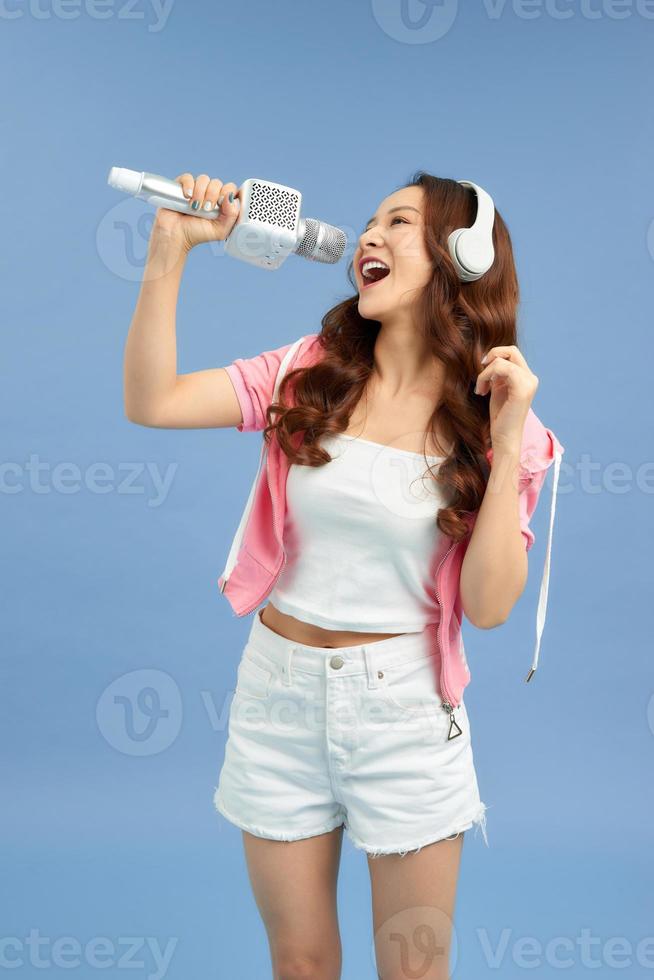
[[331, 245], [273, 205]]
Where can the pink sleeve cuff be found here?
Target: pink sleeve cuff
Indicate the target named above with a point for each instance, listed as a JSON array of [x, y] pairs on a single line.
[[534, 463], [247, 409]]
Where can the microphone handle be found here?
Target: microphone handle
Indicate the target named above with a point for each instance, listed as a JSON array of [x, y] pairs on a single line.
[[160, 192]]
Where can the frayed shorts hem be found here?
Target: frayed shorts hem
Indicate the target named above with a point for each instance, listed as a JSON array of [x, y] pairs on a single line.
[[259, 831], [479, 820]]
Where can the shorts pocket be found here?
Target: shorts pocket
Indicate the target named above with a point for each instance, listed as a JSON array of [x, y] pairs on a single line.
[[253, 680], [412, 687]]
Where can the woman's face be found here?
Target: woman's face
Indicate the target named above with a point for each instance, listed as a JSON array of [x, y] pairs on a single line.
[[395, 237]]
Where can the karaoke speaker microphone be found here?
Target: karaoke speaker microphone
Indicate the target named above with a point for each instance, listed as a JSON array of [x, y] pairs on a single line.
[[268, 227]]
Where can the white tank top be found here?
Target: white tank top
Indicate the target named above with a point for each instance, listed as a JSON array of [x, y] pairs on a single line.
[[361, 540]]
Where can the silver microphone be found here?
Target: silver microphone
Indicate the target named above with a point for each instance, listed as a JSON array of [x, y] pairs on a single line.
[[268, 227]]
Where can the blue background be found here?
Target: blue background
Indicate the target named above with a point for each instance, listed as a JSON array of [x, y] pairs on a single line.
[[113, 833]]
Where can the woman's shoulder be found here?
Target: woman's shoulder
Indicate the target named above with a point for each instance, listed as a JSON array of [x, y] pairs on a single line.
[[254, 377]]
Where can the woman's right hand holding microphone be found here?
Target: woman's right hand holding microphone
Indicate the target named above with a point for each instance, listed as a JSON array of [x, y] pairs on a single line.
[[206, 194]]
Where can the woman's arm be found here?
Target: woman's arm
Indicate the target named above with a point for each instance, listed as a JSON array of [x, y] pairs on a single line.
[[495, 566], [154, 394], [494, 569]]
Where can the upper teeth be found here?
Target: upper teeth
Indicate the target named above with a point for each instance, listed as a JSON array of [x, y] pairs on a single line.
[[372, 265]]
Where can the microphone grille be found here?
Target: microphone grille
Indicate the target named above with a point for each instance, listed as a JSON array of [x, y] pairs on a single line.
[[273, 205], [321, 242]]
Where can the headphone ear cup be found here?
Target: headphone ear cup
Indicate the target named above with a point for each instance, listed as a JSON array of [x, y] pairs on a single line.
[[472, 254]]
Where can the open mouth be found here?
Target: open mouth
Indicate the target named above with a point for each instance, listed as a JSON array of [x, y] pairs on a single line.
[[372, 273]]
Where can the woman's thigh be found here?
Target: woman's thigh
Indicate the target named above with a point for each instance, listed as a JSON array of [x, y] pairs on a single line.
[[295, 887], [413, 899]]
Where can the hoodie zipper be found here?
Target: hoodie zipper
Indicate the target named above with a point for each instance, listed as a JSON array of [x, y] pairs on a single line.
[[448, 704]]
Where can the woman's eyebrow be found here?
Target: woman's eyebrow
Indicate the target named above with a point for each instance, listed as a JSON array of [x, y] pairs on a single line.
[[399, 207]]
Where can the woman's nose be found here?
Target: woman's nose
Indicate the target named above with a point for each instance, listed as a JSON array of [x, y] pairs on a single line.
[[369, 237]]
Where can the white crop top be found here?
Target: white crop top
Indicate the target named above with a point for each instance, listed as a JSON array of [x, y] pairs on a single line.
[[361, 541]]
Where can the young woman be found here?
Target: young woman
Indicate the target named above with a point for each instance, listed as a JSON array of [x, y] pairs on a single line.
[[404, 464]]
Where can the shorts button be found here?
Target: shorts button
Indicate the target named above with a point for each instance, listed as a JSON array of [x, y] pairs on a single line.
[[380, 674], [336, 662]]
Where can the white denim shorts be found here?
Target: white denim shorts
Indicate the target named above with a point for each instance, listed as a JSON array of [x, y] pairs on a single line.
[[324, 736]]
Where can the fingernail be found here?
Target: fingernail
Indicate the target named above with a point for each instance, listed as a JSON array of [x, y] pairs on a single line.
[[221, 199], [208, 206], [231, 197], [483, 360], [195, 205], [188, 192]]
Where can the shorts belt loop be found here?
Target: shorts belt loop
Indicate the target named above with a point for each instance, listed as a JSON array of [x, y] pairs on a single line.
[[371, 670], [286, 665]]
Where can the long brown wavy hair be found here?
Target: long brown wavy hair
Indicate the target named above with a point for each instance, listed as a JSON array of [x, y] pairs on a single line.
[[460, 321]]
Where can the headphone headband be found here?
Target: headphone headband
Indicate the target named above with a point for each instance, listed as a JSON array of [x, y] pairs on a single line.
[[471, 248]]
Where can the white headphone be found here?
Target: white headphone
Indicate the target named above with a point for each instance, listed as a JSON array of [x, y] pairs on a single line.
[[472, 248]]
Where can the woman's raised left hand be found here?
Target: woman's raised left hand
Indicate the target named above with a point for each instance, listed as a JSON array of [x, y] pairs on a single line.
[[512, 386]]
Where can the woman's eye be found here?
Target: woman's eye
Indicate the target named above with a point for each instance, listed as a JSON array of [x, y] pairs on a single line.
[[393, 220]]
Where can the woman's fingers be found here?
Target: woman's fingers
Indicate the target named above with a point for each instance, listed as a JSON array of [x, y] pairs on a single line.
[[499, 370], [228, 209], [521, 380], [187, 181], [201, 184], [201, 190], [211, 195], [501, 361], [510, 352]]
